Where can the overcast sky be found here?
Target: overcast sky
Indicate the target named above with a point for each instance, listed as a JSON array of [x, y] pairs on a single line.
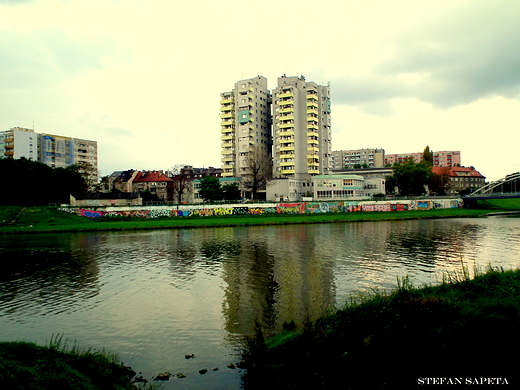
[[143, 77]]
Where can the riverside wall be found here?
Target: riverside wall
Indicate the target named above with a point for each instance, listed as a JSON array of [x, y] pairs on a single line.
[[263, 208]]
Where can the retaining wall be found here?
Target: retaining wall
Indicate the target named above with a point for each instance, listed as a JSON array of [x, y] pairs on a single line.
[[266, 208]]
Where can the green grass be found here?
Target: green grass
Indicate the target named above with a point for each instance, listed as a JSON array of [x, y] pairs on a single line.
[[500, 204], [59, 365], [45, 219], [462, 328]]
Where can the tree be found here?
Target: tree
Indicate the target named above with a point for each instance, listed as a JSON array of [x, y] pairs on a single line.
[[410, 177], [428, 156], [258, 165], [31, 183], [441, 181], [231, 192], [182, 186], [210, 188]]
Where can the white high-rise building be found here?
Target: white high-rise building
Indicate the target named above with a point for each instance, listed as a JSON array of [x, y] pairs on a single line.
[[301, 129], [245, 114]]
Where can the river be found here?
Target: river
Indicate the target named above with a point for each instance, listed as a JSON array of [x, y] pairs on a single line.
[[153, 297]]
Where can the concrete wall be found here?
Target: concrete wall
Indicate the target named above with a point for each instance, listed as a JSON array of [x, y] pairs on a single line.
[[265, 208]]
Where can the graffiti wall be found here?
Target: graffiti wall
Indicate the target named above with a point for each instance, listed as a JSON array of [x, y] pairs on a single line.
[[270, 208]]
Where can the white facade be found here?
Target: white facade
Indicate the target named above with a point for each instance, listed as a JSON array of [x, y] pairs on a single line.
[[245, 114], [301, 129], [19, 142], [324, 187]]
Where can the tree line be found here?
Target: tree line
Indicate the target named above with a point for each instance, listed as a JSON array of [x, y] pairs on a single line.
[[32, 183], [414, 179]]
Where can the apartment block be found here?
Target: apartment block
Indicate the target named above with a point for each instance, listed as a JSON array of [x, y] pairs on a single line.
[[53, 150], [440, 159], [245, 114], [301, 129], [19, 142], [359, 158]]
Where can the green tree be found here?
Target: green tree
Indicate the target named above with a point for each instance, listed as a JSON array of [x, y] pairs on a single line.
[[411, 178], [210, 188], [31, 183], [428, 156], [231, 192]]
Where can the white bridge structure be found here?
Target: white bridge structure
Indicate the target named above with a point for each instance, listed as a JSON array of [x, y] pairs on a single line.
[[508, 186]]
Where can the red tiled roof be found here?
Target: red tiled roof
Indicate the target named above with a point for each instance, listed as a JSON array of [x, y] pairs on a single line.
[[149, 176], [458, 171]]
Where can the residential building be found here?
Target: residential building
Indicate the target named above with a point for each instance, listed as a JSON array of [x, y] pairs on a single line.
[[156, 182], [53, 150], [19, 142], [462, 179], [301, 129], [359, 158], [245, 114], [440, 159]]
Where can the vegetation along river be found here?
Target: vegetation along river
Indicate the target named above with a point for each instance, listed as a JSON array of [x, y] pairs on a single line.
[[153, 297]]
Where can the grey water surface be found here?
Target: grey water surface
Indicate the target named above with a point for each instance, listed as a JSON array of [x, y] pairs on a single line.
[[152, 297]]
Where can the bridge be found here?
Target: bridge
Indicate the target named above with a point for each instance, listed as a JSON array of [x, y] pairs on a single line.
[[503, 194]]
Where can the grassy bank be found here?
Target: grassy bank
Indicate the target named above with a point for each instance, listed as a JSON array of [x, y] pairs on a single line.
[[56, 366], [463, 330], [44, 219]]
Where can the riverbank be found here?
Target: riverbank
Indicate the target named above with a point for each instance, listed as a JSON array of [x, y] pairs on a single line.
[[462, 332], [19, 220], [56, 366]]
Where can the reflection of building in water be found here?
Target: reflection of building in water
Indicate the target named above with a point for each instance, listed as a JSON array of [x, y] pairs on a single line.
[[274, 280]]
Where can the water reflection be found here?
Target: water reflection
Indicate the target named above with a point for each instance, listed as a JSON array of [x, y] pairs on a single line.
[[154, 296]]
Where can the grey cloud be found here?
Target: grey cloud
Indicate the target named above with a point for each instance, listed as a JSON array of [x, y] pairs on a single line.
[[16, 2], [32, 59], [471, 54]]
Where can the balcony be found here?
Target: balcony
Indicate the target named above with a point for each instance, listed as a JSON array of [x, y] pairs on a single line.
[[229, 107], [226, 101], [287, 164], [286, 102], [287, 171], [287, 133], [227, 114], [227, 159], [227, 123], [312, 126], [286, 125], [227, 137], [287, 148], [286, 95], [312, 111], [288, 109]]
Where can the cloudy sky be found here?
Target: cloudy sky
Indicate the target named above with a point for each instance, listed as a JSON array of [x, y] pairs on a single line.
[[143, 77]]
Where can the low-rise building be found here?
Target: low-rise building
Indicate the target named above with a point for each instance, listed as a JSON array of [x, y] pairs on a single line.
[[156, 182], [462, 179]]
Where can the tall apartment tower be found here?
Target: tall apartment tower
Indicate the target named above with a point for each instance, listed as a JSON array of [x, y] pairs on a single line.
[[301, 129], [245, 114]]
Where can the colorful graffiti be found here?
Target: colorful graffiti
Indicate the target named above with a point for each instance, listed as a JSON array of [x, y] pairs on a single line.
[[290, 208], [280, 208]]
